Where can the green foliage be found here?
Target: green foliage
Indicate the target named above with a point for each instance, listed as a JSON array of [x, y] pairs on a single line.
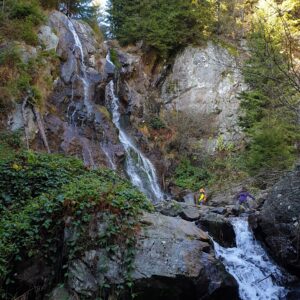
[[19, 78], [270, 107], [157, 123], [80, 9], [272, 145], [19, 19], [39, 192], [114, 58], [254, 104], [164, 25], [190, 177], [10, 143]]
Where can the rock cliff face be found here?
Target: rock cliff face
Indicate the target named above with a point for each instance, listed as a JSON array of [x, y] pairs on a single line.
[[206, 82], [278, 222], [75, 120]]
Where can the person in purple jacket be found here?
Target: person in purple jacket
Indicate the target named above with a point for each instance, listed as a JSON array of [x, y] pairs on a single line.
[[243, 196]]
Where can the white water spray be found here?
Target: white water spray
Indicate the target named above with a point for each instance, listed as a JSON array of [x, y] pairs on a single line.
[[138, 167], [258, 277]]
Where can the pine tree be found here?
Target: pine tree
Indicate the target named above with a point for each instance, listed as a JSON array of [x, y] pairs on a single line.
[[81, 9], [165, 25]]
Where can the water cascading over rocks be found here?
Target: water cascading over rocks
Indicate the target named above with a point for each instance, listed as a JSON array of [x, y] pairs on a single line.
[[138, 167], [80, 112], [258, 277], [83, 76]]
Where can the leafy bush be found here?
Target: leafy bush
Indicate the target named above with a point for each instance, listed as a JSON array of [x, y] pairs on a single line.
[[157, 123], [272, 145], [23, 9], [270, 106], [39, 192], [114, 58], [190, 177], [19, 20]]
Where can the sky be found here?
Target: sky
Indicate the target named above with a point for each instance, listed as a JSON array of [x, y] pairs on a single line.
[[101, 2]]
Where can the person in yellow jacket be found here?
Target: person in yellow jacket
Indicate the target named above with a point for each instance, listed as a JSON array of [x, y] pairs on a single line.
[[202, 197]]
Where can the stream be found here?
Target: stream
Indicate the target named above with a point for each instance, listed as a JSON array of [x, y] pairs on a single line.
[[257, 275]]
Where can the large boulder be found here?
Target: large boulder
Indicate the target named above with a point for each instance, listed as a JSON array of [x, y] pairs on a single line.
[[48, 38], [174, 260], [218, 226], [278, 223]]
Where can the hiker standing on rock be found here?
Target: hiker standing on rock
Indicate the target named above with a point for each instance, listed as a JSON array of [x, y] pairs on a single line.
[[202, 197], [242, 198]]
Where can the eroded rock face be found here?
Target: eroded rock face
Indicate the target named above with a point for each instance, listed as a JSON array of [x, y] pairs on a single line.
[[206, 81], [173, 260], [278, 222], [218, 227]]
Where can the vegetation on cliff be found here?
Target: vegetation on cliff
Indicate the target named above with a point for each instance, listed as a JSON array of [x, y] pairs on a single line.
[[165, 25], [21, 62], [41, 195], [271, 106]]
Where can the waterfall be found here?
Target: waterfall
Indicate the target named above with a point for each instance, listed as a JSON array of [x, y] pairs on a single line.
[[83, 76], [74, 108], [258, 277], [138, 167]]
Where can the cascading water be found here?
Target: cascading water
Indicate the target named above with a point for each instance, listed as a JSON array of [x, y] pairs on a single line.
[[138, 167], [258, 277], [83, 76]]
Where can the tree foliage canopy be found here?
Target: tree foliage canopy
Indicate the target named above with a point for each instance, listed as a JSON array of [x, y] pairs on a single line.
[[164, 25], [271, 106], [82, 9]]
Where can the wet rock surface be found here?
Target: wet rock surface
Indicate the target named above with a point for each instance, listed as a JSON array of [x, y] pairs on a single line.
[[173, 260], [218, 227], [77, 123], [278, 222]]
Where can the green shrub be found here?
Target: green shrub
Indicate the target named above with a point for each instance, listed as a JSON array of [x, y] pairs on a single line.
[[24, 9], [39, 192], [19, 20], [272, 145], [254, 104], [165, 25], [157, 123], [114, 58], [190, 177], [270, 106]]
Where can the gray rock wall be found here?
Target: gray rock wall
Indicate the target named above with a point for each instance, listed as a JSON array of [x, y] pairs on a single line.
[[206, 82]]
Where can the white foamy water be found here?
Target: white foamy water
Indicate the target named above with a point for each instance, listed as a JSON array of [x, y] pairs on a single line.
[[258, 277], [83, 76], [139, 168]]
